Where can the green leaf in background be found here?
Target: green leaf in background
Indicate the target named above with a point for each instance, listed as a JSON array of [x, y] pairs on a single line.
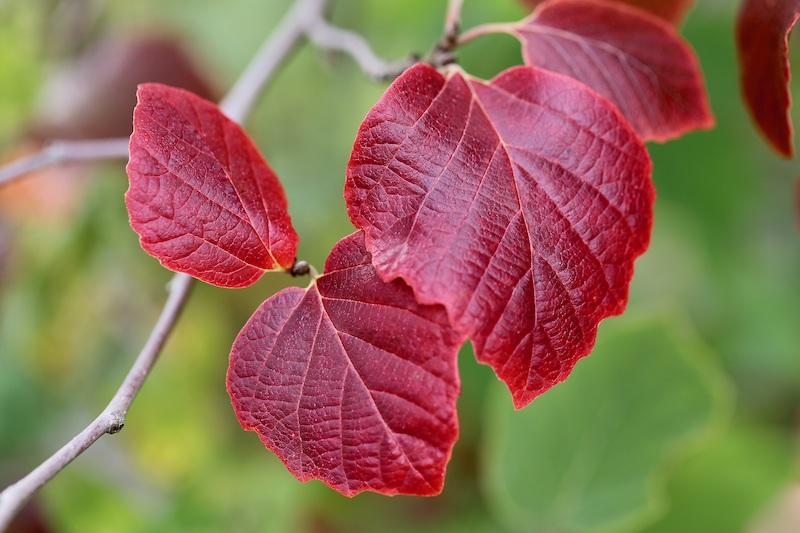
[[729, 482], [589, 454]]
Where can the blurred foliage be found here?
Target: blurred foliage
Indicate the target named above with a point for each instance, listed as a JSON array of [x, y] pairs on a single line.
[[78, 297], [590, 455]]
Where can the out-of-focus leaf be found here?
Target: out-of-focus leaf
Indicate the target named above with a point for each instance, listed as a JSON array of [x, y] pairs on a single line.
[[95, 95], [589, 454], [762, 35], [725, 485]]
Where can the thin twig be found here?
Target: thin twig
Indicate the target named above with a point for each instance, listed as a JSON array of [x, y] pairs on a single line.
[[112, 418], [442, 53], [452, 20], [60, 152], [237, 105], [329, 37]]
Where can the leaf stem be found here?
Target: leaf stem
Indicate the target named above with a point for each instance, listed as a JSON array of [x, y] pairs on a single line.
[[485, 29]]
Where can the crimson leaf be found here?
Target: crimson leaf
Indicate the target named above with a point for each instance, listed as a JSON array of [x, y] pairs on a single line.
[[762, 34], [201, 196], [520, 204], [636, 60], [671, 10], [351, 381]]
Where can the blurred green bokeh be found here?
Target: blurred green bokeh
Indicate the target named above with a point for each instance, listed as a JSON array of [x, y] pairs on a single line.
[[78, 297]]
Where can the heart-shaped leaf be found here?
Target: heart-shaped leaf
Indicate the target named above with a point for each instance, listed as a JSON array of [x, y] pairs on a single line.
[[671, 10], [351, 381], [201, 196], [520, 204], [634, 59], [588, 457], [762, 35]]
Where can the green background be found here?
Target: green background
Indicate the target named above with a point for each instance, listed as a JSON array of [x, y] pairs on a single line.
[[701, 378]]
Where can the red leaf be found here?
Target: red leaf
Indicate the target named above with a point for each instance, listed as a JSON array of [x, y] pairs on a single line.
[[520, 204], [636, 60], [762, 34], [672, 10], [351, 381], [201, 197]]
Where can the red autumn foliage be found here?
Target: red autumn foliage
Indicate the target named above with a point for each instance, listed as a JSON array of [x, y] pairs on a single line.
[[201, 196], [672, 10], [510, 212], [519, 204], [351, 381], [762, 36], [634, 59]]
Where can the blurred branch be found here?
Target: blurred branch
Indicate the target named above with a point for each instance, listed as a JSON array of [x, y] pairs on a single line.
[[237, 104], [112, 418], [328, 37], [60, 152]]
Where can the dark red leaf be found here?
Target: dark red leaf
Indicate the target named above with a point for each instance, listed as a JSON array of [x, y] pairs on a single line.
[[71, 108], [520, 204], [351, 381], [671, 10], [634, 59], [201, 197], [762, 34]]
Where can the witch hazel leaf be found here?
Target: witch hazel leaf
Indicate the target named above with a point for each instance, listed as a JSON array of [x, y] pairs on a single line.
[[762, 36], [673, 11], [519, 204], [351, 381], [634, 59], [201, 196]]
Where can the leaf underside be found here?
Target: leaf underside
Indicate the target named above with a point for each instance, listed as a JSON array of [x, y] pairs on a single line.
[[762, 36], [634, 59], [201, 196], [519, 204], [351, 381]]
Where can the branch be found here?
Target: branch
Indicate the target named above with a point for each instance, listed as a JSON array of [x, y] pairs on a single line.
[[60, 152], [237, 104], [442, 53], [452, 21], [112, 418], [328, 37]]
